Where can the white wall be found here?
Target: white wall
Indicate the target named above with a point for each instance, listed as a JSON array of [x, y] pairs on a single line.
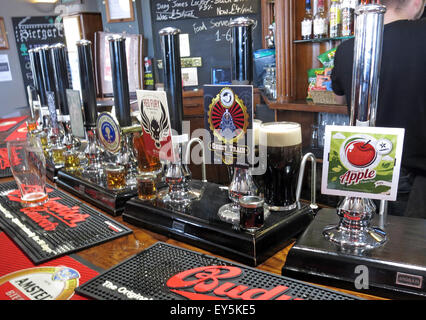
[[12, 93]]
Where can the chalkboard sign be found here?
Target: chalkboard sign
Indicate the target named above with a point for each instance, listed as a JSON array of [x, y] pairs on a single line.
[[169, 10], [207, 24], [33, 32]]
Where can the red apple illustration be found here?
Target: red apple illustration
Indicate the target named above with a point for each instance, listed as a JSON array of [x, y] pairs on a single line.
[[360, 153]]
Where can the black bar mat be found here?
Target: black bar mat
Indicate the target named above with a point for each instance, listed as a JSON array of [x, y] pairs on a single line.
[[167, 272], [61, 226]]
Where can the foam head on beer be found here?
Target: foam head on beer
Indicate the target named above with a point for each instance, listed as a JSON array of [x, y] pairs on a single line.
[[280, 134]]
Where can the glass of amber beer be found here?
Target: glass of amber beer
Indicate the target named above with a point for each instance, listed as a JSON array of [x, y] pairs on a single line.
[[28, 166], [147, 161], [282, 143], [147, 188], [115, 176]]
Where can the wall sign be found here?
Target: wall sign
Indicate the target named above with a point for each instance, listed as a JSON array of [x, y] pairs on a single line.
[[119, 10], [5, 74], [362, 161]]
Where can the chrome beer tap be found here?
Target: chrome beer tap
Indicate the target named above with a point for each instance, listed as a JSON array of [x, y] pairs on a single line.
[[353, 230]]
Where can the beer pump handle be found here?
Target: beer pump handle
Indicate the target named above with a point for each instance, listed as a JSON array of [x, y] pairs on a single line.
[[309, 156], [120, 82], [172, 75], [48, 76], [60, 72], [87, 82], [188, 156]]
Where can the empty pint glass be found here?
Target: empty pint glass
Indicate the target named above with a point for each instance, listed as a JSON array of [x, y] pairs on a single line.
[[28, 167], [282, 143]]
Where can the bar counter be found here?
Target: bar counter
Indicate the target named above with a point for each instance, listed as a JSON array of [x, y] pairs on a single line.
[[111, 253]]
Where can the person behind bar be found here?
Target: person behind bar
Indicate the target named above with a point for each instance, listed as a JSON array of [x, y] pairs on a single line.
[[402, 95]]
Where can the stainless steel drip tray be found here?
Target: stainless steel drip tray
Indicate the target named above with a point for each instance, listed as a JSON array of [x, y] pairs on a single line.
[[197, 223]]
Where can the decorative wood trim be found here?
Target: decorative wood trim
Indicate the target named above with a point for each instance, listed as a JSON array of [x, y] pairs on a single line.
[[3, 36], [284, 50]]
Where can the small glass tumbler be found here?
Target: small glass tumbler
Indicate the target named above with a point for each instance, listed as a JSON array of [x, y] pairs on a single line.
[[252, 214], [28, 166], [57, 153], [71, 161], [115, 177], [147, 185]]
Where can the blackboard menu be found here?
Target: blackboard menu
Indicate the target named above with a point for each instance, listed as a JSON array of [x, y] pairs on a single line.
[[169, 10], [33, 32], [207, 24]]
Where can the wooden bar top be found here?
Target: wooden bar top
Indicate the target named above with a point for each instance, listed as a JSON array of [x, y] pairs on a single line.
[[111, 253]]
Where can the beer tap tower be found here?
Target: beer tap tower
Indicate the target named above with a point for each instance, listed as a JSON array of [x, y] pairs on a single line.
[[354, 229], [177, 174], [34, 55], [88, 93], [50, 94], [346, 249], [242, 182], [120, 83], [59, 62]]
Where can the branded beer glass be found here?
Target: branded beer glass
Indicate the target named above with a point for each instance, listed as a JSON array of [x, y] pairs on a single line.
[[282, 142], [28, 167]]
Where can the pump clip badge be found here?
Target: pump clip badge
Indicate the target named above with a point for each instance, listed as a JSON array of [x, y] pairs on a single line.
[[109, 132], [362, 161], [228, 117]]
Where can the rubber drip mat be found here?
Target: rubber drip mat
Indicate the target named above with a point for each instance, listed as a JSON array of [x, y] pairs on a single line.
[[61, 226], [5, 170], [167, 272]]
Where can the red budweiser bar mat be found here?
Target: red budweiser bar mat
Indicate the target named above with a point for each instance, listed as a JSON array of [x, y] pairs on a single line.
[[9, 131], [166, 272], [61, 226], [57, 279]]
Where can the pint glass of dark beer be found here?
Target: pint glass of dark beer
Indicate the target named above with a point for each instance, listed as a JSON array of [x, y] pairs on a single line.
[[282, 143]]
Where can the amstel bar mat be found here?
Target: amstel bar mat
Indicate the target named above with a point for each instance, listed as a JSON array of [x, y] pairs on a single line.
[[60, 226], [166, 272]]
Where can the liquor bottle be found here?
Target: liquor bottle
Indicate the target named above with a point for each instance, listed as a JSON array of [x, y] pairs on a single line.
[[335, 19], [320, 22], [307, 22], [348, 16]]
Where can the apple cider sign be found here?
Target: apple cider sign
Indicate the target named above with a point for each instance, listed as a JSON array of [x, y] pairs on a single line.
[[362, 161]]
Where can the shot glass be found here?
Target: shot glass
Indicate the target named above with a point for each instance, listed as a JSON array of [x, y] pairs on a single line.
[[71, 161], [115, 176], [57, 153], [147, 185], [251, 213], [28, 166]]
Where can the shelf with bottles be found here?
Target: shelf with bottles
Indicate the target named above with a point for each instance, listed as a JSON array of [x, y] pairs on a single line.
[[333, 20], [324, 39]]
